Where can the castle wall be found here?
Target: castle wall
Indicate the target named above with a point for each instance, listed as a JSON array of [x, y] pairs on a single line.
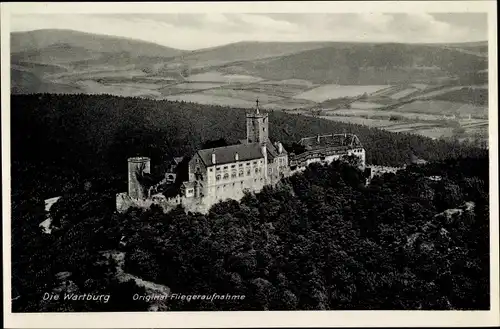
[[278, 169], [380, 170], [137, 165], [326, 156], [124, 202], [229, 180]]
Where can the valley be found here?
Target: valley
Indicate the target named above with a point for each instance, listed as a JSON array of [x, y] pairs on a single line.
[[438, 91]]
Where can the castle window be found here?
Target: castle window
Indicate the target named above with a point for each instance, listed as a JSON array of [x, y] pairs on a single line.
[[233, 174], [218, 168], [217, 177], [233, 166], [240, 174], [248, 163], [270, 170], [211, 169], [255, 163], [225, 167], [241, 165], [256, 170], [226, 176], [248, 172]]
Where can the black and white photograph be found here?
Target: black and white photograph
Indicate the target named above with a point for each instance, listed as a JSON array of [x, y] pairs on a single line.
[[233, 160]]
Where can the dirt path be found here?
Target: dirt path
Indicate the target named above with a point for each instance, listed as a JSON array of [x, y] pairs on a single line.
[[122, 276], [152, 289]]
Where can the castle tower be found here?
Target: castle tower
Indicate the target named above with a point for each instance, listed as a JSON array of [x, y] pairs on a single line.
[[137, 166], [257, 126]]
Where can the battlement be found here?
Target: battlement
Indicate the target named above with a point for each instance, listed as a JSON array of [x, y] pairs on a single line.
[[222, 173], [139, 159], [124, 202], [331, 140]]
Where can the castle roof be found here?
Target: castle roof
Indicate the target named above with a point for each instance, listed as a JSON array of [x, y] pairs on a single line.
[[334, 140], [226, 154], [272, 152]]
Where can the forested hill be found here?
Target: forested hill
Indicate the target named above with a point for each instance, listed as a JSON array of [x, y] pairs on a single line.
[[319, 241], [61, 141]]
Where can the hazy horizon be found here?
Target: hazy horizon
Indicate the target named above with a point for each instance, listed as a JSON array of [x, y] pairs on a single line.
[[200, 31]]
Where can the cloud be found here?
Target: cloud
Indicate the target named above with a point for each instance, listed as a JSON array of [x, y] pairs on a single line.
[[194, 31]]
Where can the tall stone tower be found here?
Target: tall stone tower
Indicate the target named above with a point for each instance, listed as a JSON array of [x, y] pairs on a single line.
[[137, 166], [257, 126]]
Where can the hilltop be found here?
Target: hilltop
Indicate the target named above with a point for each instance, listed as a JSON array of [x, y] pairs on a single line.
[[38, 42], [418, 85], [367, 64], [109, 129], [74, 58]]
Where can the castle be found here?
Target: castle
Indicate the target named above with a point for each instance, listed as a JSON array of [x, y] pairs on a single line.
[[222, 173]]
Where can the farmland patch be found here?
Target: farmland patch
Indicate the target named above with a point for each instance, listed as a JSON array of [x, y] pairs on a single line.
[[211, 99], [93, 87], [198, 85], [444, 108], [388, 114], [377, 123], [214, 76], [437, 132], [290, 82], [333, 91], [365, 105], [404, 93], [247, 95]]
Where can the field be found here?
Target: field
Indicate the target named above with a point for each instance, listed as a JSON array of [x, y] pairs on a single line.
[[211, 100], [214, 76], [434, 130], [199, 85], [376, 123], [365, 105], [332, 91], [445, 108], [430, 110], [92, 87], [378, 85], [426, 109]]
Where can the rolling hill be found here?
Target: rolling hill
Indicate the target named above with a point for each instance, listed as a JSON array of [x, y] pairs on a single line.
[[245, 51], [285, 76], [317, 62], [365, 64], [45, 40]]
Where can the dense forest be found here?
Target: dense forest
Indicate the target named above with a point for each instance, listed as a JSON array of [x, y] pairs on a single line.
[[320, 240], [61, 142]]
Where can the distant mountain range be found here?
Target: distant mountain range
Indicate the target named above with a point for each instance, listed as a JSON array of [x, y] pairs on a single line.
[[85, 45], [65, 61]]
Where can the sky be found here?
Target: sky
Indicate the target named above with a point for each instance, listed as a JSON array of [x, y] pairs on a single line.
[[196, 31]]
